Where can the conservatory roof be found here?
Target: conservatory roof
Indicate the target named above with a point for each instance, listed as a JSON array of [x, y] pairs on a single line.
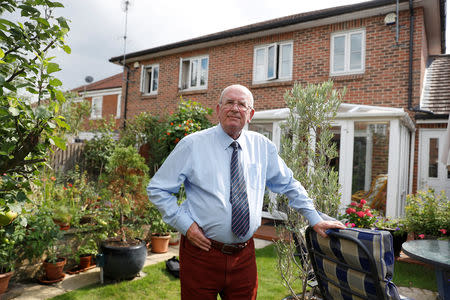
[[347, 111]]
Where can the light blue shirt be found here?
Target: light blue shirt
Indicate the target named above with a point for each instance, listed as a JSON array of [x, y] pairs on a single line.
[[202, 162]]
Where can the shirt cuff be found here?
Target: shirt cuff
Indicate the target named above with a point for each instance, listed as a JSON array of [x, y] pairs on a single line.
[[183, 223], [313, 217]]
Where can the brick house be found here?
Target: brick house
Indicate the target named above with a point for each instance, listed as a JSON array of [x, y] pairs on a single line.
[[382, 63], [105, 97]]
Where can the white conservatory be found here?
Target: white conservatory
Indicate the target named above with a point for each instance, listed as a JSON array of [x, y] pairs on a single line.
[[374, 144]]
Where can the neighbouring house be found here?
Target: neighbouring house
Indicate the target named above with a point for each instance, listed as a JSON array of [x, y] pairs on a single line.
[[105, 97], [383, 51]]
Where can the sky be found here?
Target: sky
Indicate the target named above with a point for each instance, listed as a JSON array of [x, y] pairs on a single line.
[[98, 27]]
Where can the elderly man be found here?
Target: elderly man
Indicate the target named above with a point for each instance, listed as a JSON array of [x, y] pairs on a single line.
[[225, 170]]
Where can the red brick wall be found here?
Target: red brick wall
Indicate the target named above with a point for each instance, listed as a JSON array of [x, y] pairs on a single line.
[[384, 83]]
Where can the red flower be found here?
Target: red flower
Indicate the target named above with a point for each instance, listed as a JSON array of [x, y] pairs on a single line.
[[179, 125], [168, 133], [421, 235], [353, 224], [350, 210], [361, 205], [360, 214], [171, 123], [353, 204], [53, 178], [369, 214], [70, 185], [177, 140], [64, 188], [363, 201], [444, 231]]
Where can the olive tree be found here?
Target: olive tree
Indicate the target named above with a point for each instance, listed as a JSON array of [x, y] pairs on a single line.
[[308, 149]]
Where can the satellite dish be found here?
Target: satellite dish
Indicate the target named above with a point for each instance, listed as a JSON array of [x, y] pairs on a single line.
[[89, 79]]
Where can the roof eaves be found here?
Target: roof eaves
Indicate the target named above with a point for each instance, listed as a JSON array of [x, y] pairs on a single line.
[[262, 26]]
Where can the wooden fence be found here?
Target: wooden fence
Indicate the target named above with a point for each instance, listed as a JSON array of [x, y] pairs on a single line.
[[63, 160]]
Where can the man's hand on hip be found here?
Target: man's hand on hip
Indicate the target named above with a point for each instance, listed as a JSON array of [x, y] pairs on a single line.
[[322, 226], [196, 237]]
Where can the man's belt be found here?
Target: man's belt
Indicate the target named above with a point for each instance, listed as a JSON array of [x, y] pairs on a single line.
[[229, 249]]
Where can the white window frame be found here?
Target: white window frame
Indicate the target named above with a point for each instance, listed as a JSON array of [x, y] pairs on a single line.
[[277, 62], [347, 35], [96, 107], [186, 84], [147, 79]]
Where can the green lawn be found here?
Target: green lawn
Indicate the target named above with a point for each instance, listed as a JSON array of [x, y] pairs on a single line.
[[159, 284]]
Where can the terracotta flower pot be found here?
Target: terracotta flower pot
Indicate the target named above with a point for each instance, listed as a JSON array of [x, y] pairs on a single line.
[[85, 261], [54, 271], [4, 281], [160, 244]]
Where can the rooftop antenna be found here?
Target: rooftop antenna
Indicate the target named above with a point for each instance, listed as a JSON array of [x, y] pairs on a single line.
[[125, 5]]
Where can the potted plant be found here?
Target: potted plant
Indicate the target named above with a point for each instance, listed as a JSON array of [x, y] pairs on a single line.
[[11, 238], [126, 177], [427, 214], [42, 236], [358, 215], [160, 232]]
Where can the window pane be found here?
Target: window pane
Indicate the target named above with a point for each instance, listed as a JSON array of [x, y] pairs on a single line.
[[203, 71], [155, 79], [339, 53], [334, 163], [194, 64], [286, 61], [370, 163], [263, 128], [356, 51], [259, 68], [433, 158], [148, 79], [271, 62]]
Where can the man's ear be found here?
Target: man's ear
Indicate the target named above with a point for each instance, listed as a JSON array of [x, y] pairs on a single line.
[[217, 110], [252, 112]]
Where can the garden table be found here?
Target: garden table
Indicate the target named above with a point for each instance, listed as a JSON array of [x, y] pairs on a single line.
[[436, 253]]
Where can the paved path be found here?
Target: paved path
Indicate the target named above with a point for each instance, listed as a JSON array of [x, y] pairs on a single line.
[[72, 282]]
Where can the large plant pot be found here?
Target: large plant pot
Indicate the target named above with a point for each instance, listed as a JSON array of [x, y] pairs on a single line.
[[4, 281], [160, 244], [54, 271], [122, 261], [399, 239]]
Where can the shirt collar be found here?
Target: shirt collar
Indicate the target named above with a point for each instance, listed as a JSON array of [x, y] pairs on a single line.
[[225, 140]]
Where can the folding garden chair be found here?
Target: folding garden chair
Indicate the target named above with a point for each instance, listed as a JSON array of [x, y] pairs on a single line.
[[376, 196], [353, 263]]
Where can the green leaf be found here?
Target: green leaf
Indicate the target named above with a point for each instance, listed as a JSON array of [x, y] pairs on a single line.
[[60, 96], [67, 49], [52, 67], [58, 142], [2, 54], [14, 111], [43, 22], [51, 125], [55, 82], [42, 112], [62, 124]]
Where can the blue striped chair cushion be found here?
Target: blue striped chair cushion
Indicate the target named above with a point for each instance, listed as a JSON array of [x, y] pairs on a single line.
[[378, 243]]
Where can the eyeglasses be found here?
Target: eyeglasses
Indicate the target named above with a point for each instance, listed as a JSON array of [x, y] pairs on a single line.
[[242, 105]]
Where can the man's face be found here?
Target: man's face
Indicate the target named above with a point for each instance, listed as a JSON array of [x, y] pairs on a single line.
[[234, 111]]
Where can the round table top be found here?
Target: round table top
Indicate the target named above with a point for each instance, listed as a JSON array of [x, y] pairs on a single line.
[[435, 252]]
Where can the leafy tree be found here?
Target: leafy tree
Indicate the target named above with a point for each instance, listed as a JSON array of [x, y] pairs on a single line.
[[308, 150], [27, 133]]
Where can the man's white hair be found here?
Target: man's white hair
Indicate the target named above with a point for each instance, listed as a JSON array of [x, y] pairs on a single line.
[[240, 87]]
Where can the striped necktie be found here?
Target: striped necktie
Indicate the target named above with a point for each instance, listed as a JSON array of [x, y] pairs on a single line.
[[238, 195]]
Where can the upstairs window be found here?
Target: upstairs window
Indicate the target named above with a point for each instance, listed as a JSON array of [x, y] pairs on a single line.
[[347, 52], [193, 73], [96, 107], [273, 61], [149, 79]]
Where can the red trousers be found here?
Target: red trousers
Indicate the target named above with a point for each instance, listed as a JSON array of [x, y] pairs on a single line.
[[205, 274]]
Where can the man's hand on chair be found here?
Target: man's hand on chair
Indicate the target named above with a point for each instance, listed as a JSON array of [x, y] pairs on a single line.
[[322, 226]]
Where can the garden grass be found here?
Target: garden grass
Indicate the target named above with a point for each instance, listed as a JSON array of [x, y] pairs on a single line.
[[159, 284]]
